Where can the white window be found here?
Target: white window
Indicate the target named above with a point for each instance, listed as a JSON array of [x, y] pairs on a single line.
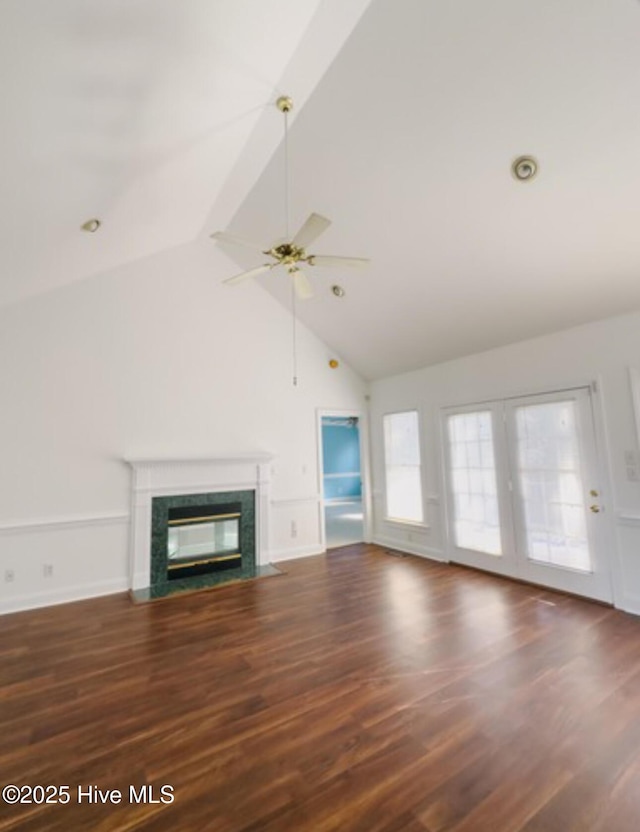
[[402, 467]]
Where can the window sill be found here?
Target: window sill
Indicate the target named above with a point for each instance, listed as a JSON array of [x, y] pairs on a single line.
[[407, 524]]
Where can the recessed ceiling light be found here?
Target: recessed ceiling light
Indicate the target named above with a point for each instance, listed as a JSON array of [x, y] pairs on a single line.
[[524, 168], [91, 225], [338, 291]]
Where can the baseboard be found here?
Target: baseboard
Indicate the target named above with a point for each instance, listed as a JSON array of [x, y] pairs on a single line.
[[627, 518], [629, 605], [410, 548], [279, 555], [63, 596]]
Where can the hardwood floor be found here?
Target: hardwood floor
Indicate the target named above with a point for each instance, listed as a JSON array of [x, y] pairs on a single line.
[[360, 692]]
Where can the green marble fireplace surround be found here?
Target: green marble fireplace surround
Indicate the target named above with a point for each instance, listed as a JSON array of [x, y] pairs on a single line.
[[160, 508]]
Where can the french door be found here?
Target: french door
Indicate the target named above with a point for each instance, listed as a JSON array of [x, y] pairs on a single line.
[[523, 494]]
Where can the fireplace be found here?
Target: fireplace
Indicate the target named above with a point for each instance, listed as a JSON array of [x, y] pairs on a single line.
[[180, 536], [202, 539]]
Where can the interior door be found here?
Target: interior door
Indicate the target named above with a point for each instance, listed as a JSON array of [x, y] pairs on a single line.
[[523, 492]]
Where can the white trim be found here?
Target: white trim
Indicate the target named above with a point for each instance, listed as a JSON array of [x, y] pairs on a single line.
[[148, 462], [627, 519], [63, 596], [632, 607], [365, 468], [59, 523], [634, 382], [410, 548], [607, 586], [296, 501], [192, 488], [298, 552], [169, 477], [407, 525], [422, 468], [592, 383]]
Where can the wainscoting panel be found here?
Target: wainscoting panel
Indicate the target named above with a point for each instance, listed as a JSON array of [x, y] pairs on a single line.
[[296, 529], [628, 532], [52, 561]]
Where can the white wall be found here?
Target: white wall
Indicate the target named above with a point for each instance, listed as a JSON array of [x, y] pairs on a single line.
[[602, 352], [154, 359]]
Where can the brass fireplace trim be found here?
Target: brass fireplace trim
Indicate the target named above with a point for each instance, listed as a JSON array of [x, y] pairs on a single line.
[[182, 564], [187, 521]]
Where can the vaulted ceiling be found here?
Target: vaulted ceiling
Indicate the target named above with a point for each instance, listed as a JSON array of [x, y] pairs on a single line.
[[137, 112], [158, 117]]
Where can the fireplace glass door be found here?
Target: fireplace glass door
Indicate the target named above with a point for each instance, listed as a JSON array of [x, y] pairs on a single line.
[[203, 538]]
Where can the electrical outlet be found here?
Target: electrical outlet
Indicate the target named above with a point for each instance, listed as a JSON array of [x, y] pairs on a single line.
[[9, 576], [47, 570], [294, 529]]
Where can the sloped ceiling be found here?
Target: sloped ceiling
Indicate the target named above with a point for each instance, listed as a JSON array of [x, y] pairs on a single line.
[[136, 112], [407, 143], [157, 117]]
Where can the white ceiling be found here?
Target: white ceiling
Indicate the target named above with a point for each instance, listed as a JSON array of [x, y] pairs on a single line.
[[407, 144], [136, 112], [157, 117]]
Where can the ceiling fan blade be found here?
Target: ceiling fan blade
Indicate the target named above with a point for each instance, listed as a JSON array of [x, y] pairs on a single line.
[[251, 273], [311, 230], [327, 260], [301, 284], [225, 237]]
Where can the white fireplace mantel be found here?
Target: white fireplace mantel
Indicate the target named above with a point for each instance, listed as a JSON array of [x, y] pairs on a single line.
[[169, 477]]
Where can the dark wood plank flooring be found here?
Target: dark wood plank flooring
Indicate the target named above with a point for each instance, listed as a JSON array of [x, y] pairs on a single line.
[[360, 692]]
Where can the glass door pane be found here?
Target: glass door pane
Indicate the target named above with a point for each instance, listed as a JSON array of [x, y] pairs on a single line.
[[551, 484], [473, 482], [523, 498]]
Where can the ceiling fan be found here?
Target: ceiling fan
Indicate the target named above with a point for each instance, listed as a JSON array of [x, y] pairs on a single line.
[[291, 254]]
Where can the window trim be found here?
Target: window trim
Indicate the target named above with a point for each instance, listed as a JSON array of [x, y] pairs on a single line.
[[399, 521]]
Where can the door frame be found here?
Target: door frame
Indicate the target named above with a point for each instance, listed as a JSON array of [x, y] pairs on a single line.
[[608, 537], [365, 469]]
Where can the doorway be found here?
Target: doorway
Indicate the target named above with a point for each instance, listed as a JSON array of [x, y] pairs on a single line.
[[523, 492], [342, 480]]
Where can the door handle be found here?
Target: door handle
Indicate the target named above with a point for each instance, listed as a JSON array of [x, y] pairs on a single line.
[[595, 509]]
